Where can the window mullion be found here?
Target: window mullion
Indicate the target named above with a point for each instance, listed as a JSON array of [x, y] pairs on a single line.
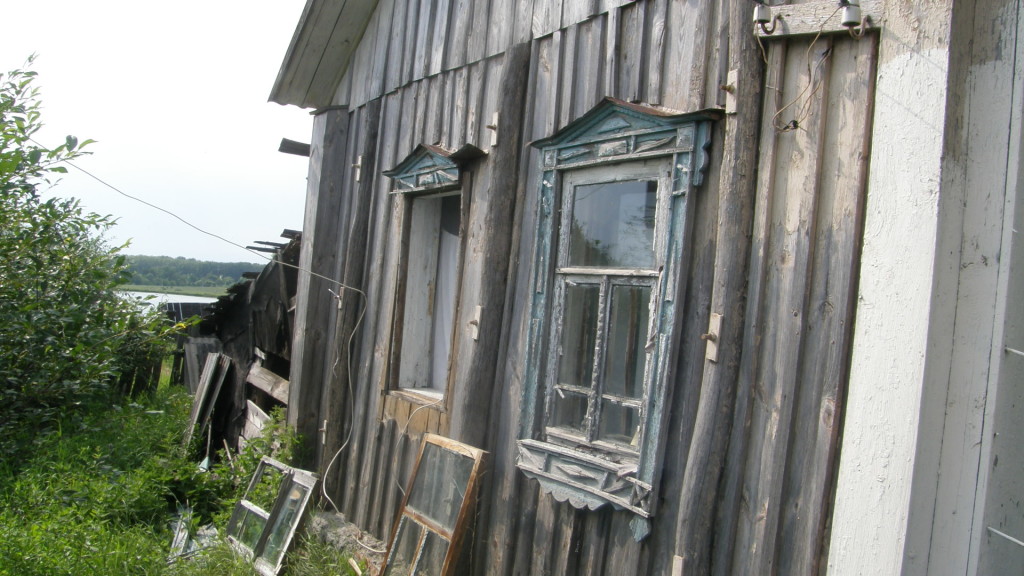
[[594, 398]]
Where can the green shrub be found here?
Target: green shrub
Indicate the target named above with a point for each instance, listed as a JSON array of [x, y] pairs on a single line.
[[66, 334]]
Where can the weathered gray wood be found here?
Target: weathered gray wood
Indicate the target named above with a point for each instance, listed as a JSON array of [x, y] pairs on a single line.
[[196, 351], [397, 50], [476, 43], [338, 402], [792, 228], [736, 188], [439, 37], [589, 66], [830, 311], [267, 381], [523, 31], [320, 240], [500, 26], [686, 38], [458, 34], [424, 39], [629, 54], [471, 398], [567, 81], [732, 504], [547, 17], [654, 51]]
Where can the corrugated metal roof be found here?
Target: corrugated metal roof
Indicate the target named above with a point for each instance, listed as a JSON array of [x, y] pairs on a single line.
[[320, 51]]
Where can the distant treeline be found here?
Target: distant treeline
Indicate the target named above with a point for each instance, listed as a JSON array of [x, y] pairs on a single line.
[[168, 271]]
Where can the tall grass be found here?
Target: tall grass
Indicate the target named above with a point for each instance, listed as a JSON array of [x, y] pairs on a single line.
[[96, 496]]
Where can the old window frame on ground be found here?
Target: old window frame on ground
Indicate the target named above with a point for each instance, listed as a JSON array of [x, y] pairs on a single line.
[[615, 142], [423, 507], [425, 184], [279, 524]]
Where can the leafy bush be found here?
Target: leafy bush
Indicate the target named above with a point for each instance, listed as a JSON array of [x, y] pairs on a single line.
[[66, 334]]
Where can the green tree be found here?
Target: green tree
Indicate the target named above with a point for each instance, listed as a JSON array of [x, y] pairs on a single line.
[[66, 335]]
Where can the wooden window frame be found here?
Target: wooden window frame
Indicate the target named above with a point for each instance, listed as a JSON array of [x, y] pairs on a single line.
[[614, 135], [274, 519], [452, 536]]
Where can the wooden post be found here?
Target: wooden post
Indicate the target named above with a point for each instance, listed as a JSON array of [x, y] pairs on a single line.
[[317, 256], [735, 217], [338, 408]]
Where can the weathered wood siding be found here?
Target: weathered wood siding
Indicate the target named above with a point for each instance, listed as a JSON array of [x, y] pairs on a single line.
[[438, 71]]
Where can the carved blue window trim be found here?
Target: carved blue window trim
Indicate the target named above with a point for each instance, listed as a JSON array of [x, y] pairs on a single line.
[[613, 132]]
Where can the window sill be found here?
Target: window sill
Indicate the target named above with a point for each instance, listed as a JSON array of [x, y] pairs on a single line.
[[422, 396]]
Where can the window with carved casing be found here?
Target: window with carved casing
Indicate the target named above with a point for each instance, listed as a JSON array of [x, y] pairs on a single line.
[[428, 187], [609, 271]]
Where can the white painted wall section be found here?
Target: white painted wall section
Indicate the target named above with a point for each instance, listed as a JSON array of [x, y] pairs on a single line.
[[897, 295]]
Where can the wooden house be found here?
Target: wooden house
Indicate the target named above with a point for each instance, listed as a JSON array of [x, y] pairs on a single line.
[[721, 287]]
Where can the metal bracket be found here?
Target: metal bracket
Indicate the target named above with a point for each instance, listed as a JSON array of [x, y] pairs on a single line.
[[474, 323], [358, 167], [714, 328], [730, 88], [818, 17], [493, 127]]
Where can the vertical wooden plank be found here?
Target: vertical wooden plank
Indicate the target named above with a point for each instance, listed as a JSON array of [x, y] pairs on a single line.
[[488, 247], [397, 40], [589, 66], [439, 37], [545, 85], [594, 545], [410, 32], [446, 109], [500, 25], [323, 201], [567, 80], [522, 30], [623, 553], [381, 477], [629, 53], [462, 14], [654, 51], [730, 529], [736, 190], [610, 69], [424, 39], [434, 112], [476, 43], [459, 105], [576, 11], [686, 35], [795, 204], [547, 17], [830, 310], [382, 22], [475, 103]]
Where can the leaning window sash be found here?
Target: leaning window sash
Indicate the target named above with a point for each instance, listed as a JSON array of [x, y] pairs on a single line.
[[594, 473]]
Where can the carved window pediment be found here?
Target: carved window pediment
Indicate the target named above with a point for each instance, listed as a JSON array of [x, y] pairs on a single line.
[[430, 168]]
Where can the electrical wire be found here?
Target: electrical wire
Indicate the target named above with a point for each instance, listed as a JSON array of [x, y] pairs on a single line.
[[814, 83], [195, 227], [351, 338]]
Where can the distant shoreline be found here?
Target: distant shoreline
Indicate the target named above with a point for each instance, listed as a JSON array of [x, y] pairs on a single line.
[[211, 292]]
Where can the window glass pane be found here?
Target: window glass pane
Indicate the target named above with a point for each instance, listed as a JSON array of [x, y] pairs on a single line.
[[404, 548], [569, 410], [250, 527], [579, 330], [432, 558], [613, 225], [440, 485], [444, 290], [284, 523], [619, 424], [627, 338]]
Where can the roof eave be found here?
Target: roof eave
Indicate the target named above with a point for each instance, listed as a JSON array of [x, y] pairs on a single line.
[[321, 48]]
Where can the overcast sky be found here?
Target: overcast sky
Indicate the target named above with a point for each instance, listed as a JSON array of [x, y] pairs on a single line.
[[175, 94]]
